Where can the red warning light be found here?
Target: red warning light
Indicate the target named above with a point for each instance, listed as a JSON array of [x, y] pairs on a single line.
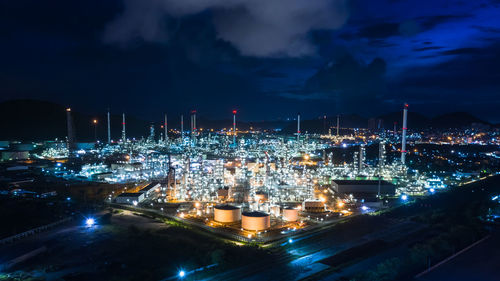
[[234, 111]]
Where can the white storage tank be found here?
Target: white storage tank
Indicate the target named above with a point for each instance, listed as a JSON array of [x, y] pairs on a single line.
[[255, 221], [227, 213], [290, 214]]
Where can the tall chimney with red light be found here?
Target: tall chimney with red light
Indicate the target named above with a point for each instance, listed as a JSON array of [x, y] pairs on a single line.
[[234, 127], [124, 136], [403, 139]]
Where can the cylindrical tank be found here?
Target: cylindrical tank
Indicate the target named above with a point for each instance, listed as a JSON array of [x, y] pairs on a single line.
[[227, 213], [255, 221], [290, 214], [275, 211], [260, 197]]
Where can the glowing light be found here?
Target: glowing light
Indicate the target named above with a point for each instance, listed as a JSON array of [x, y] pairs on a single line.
[[364, 208], [89, 222], [340, 204], [432, 190], [182, 273], [95, 121], [290, 240], [135, 203], [404, 197]]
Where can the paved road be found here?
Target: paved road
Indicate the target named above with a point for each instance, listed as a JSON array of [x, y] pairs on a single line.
[[301, 258]]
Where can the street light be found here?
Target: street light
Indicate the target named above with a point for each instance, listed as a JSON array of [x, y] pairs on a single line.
[[182, 273], [89, 222]]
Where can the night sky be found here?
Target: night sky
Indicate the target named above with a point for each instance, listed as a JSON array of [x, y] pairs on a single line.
[[269, 59]]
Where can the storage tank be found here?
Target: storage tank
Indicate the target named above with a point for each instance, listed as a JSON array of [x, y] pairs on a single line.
[[260, 197], [290, 214], [227, 213], [255, 221], [275, 211]]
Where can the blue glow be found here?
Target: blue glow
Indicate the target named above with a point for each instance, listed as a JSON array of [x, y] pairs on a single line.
[[364, 208], [182, 273], [290, 240], [432, 190], [404, 197], [90, 222], [68, 198], [58, 164]]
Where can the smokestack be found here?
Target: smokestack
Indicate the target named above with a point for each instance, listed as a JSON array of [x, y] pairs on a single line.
[[338, 124], [298, 126], [182, 126], [381, 154], [361, 157], [234, 127], [152, 132], [71, 133], [166, 129], [109, 129], [124, 136], [403, 140]]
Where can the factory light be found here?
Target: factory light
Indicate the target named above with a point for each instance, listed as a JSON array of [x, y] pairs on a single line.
[[89, 222]]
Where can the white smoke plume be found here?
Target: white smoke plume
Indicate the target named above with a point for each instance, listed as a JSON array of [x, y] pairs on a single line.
[[261, 28]]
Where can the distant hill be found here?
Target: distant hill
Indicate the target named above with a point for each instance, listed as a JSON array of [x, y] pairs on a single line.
[[40, 120], [456, 120]]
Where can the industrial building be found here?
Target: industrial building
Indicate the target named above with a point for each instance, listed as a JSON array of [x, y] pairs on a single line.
[[130, 198], [364, 188], [313, 206], [149, 189]]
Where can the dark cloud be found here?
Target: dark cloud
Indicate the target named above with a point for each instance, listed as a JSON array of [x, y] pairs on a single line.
[[346, 81], [462, 51], [255, 27], [427, 48]]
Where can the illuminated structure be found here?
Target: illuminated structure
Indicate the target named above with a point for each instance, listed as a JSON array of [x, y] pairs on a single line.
[[124, 136], [109, 128], [234, 127], [298, 127], [403, 139], [71, 132]]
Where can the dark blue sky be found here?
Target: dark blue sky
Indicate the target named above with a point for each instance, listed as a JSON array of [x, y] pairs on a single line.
[[269, 59]]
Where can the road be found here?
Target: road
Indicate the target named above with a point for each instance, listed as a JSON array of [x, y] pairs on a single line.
[[300, 259]]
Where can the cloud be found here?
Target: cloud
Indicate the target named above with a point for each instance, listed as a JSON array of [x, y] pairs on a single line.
[[261, 28]]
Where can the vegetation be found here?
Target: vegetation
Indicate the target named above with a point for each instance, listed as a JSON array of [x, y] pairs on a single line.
[[453, 222]]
